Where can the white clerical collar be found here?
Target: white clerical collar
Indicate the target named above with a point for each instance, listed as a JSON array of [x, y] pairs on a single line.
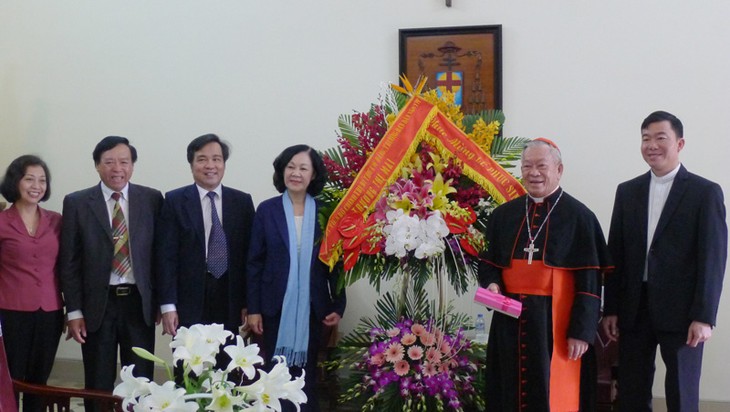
[[667, 177], [542, 199], [204, 192]]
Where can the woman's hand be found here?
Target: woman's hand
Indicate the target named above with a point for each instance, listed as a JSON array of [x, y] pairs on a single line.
[[332, 319], [256, 323]]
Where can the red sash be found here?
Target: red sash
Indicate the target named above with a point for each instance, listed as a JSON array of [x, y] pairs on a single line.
[[538, 279]]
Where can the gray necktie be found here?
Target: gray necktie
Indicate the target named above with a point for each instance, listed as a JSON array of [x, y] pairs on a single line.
[[217, 245]]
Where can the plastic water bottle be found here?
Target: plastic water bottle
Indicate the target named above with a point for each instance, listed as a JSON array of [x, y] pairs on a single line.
[[480, 329]]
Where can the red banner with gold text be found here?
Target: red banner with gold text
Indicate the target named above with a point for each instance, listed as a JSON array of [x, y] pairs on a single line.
[[419, 120]]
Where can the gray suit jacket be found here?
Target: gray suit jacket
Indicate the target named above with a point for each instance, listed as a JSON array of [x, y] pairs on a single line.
[[85, 258]]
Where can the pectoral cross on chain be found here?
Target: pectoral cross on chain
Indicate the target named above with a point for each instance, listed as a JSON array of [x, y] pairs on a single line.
[[530, 250]]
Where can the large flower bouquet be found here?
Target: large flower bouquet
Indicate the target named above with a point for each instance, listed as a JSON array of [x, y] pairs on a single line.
[[411, 365], [413, 182], [431, 215], [240, 386]]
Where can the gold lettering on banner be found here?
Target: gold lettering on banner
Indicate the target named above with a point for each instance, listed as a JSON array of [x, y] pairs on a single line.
[[383, 165]]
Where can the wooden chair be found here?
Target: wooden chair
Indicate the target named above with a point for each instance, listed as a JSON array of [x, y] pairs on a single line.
[[57, 399]]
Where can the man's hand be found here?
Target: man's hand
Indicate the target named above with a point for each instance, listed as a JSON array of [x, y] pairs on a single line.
[[256, 323], [610, 327], [170, 323], [576, 348], [332, 319], [494, 288], [76, 330], [698, 332]]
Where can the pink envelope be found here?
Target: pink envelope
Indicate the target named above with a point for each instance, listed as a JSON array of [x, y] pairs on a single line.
[[498, 302]]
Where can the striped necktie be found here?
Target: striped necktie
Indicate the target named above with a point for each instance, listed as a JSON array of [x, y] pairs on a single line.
[[121, 264], [217, 244]]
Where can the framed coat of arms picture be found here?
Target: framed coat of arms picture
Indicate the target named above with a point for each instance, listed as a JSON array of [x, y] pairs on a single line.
[[464, 60]]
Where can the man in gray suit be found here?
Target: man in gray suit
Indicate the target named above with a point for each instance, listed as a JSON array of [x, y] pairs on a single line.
[[106, 266]]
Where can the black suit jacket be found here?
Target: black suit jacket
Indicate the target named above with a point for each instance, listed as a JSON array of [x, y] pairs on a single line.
[[268, 267], [87, 249], [686, 260], [181, 252]]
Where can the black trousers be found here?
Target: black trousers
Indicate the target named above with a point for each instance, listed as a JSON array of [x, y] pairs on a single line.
[[215, 310], [215, 303], [31, 340], [637, 352], [123, 327]]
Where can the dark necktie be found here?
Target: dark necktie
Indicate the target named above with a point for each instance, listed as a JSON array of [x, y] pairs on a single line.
[[121, 264], [217, 245]]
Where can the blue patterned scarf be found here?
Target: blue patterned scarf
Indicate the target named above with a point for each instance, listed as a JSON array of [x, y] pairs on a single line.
[[293, 337]]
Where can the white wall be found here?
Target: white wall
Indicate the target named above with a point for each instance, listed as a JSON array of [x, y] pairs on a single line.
[[268, 74]]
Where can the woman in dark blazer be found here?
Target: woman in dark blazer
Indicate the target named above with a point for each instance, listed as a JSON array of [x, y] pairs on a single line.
[[30, 301], [291, 293]]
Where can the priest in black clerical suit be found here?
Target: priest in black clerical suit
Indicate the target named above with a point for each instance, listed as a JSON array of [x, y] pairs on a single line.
[[547, 250], [668, 239]]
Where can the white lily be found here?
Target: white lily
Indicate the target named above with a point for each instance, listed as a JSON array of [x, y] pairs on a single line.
[[131, 387], [244, 356], [213, 333], [216, 376], [165, 398], [295, 390], [197, 357], [223, 399], [269, 389], [184, 337], [209, 388]]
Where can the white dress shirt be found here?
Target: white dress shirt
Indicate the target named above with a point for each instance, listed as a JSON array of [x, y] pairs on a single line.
[[659, 188]]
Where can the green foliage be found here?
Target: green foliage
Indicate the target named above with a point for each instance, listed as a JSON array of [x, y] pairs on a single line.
[[507, 150], [376, 269], [348, 130], [329, 198], [402, 99], [487, 115]]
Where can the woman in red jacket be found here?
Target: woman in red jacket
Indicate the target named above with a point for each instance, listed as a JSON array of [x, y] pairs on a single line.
[[31, 308]]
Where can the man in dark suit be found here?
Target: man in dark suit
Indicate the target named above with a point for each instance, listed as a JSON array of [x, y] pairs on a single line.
[[200, 282], [669, 243], [106, 266]]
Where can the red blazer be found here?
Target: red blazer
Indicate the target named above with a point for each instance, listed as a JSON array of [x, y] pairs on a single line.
[[28, 270]]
